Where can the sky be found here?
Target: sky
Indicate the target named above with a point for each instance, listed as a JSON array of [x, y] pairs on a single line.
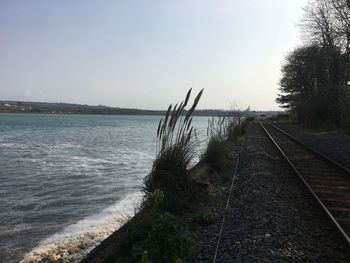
[[146, 54]]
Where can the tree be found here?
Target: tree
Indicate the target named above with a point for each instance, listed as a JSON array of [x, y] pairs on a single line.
[[341, 20], [315, 78], [305, 89]]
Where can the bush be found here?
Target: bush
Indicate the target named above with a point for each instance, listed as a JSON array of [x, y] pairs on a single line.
[[214, 152], [167, 241], [158, 237]]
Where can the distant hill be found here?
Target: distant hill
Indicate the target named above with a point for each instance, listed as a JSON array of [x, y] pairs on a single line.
[[69, 108]]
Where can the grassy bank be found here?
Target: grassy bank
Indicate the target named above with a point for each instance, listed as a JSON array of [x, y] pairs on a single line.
[[180, 197]]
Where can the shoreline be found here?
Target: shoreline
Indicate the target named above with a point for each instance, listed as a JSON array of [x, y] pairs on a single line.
[[74, 242], [101, 252]]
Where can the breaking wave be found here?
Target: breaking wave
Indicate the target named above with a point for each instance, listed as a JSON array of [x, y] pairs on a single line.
[[75, 241]]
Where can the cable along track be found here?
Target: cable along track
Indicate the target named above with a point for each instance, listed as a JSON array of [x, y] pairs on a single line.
[[327, 180]]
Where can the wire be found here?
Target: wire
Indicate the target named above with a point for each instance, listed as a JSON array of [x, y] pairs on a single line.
[[228, 201]]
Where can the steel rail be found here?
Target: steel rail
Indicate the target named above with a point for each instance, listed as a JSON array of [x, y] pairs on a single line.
[[318, 200], [330, 161]]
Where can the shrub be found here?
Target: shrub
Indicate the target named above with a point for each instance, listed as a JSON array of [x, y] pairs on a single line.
[[214, 152], [158, 237], [167, 241]]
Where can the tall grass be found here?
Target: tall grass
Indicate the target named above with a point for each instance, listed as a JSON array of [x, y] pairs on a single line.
[[220, 131], [227, 126], [175, 152]]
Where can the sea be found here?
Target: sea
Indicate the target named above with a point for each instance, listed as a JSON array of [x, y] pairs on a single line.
[[68, 181]]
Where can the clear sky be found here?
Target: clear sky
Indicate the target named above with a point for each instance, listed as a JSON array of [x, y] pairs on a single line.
[[146, 54]]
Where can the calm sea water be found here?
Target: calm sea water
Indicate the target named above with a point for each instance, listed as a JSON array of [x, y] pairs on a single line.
[[68, 181]]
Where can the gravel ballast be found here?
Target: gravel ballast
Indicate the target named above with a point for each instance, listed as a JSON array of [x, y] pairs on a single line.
[[271, 216]]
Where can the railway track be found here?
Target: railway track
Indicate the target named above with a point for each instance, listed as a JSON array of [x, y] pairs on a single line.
[[327, 180]]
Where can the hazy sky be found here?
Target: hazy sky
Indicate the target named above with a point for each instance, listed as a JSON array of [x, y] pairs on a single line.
[[146, 54]]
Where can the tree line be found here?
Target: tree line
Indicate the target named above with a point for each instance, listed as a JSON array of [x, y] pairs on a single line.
[[315, 82]]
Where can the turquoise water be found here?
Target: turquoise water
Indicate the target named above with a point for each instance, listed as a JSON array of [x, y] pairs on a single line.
[[70, 179]]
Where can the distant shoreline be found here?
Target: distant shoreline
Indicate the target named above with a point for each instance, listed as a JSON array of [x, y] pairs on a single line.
[[25, 107], [79, 114]]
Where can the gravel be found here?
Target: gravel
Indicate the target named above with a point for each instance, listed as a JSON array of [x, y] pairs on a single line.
[[271, 217], [334, 146]]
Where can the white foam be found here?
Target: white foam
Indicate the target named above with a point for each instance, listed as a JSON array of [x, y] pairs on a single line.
[[75, 241], [84, 160], [8, 145], [65, 146]]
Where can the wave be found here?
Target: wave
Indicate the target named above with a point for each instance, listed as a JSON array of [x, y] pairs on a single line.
[[9, 145], [76, 240]]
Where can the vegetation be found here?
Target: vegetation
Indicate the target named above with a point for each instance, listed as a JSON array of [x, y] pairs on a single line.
[[175, 152], [315, 83], [180, 196], [220, 131]]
